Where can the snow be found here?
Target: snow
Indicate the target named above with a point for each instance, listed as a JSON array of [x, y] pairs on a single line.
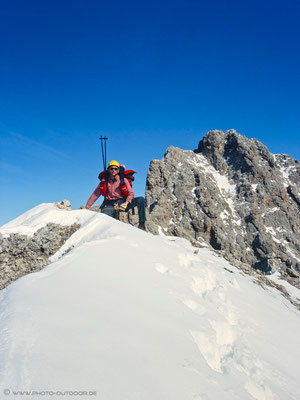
[[271, 231], [160, 231], [133, 316], [291, 252], [286, 171], [227, 189], [280, 229], [224, 216], [292, 290], [274, 209], [285, 175], [222, 181], [36, 218], [270, 211]]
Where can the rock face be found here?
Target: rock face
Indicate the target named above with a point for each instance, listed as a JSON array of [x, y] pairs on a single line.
[[64, 205], [20, 254], [230, 193]]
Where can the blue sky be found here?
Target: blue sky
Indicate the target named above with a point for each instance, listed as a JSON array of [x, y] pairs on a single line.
[[147, 74]]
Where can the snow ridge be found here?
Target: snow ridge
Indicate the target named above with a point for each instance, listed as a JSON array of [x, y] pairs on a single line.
[[147, 317]]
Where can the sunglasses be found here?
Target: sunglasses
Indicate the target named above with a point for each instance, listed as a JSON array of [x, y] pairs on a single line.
[[113, 168]]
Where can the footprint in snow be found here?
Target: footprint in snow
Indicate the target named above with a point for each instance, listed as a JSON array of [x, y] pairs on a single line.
[[216, 347], [161, 268], [203, 285], [191, 304], [194, 306]]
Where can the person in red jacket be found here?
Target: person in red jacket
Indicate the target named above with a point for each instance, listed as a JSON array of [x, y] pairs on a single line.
[[114, 198]]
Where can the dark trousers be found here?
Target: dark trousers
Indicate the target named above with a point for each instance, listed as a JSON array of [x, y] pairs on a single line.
[[107, 207]]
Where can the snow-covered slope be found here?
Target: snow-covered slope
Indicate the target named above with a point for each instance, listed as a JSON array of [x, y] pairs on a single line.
[[133, 316]]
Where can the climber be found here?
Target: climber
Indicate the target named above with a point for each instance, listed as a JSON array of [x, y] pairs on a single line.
[[117, 196]]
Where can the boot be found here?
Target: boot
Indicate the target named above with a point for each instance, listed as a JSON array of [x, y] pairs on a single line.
[[142, 226]]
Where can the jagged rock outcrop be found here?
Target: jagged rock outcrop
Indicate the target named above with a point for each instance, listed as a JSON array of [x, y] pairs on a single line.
[[230, 193], [64, 205], [21, 254]]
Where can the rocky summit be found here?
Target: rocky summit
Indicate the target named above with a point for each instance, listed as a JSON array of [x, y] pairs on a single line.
[[231, 194]]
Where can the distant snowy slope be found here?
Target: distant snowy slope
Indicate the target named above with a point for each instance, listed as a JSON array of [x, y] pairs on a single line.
[[134, 316], [36, 218]]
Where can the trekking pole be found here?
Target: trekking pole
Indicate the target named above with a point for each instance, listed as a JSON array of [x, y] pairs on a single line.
[[103, 148]]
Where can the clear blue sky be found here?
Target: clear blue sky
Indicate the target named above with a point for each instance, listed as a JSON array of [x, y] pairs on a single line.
[[147, 74]]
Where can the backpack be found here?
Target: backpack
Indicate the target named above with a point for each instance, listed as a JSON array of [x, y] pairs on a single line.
[[128, 174]]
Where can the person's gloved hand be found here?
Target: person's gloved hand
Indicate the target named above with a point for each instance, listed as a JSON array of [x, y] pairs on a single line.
[[123, 206]]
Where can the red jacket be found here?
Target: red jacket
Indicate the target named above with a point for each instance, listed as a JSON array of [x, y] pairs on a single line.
[[113, 191]]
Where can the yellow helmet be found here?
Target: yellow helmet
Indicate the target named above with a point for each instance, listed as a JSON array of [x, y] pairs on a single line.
[[114, 163]]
